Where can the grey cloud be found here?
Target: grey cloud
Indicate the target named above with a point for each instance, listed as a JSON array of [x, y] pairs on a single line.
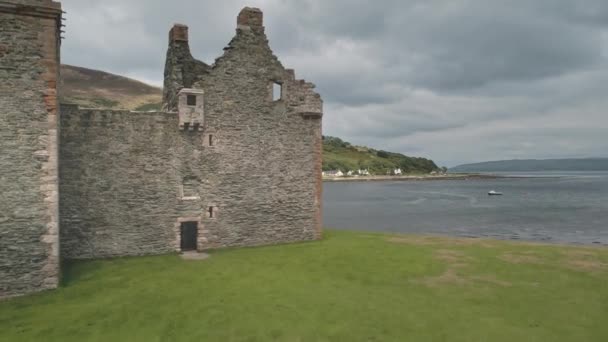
[[466, 44]]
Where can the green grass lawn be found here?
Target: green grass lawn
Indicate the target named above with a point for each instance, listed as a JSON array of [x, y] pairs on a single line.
[[349, 287]]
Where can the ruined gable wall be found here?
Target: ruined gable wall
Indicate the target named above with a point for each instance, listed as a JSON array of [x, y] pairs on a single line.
[[29, 66], [268, 153]]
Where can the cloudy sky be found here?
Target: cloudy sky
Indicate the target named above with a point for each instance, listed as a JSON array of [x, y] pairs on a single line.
[[453, 80]]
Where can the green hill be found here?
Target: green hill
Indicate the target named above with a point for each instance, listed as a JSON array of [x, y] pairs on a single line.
[[99, 89], [341, 155]]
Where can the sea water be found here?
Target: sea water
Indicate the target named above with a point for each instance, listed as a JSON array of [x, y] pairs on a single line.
[[569, 207]]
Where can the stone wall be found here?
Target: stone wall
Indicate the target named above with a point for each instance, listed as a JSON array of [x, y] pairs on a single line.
[[122, 177], [29, 60], [128, 179], [120, 181], [269, 169]]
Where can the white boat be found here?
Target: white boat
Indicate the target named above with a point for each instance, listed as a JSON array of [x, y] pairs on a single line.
[[494, 193]]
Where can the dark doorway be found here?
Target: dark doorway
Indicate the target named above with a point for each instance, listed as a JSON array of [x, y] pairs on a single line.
[[189, 233]]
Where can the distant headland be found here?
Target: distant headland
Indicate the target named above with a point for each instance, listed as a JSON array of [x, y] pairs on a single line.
[[528, 165]]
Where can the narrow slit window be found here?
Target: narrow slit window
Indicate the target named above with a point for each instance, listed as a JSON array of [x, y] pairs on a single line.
[[277, 89], [210, 139], [191, 100], [210, 212]]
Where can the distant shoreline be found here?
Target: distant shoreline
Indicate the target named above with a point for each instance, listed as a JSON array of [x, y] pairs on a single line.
[[413, 178]]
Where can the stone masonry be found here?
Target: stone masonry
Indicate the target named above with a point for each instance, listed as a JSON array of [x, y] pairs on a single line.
[[225, 155], [29, 66]]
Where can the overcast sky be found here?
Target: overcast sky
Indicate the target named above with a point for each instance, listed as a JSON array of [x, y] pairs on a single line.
[[456, 80]]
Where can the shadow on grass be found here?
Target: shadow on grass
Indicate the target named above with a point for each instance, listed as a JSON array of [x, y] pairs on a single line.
[[74, 270]]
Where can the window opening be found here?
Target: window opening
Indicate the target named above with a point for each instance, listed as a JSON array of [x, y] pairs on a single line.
[[191, 100], [277, 89], [190, 188]]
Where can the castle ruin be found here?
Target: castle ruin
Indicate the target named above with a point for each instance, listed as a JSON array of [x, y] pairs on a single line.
[[233, 159]]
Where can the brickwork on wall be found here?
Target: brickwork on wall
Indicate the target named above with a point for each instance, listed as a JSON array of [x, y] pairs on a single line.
[[29, 66]]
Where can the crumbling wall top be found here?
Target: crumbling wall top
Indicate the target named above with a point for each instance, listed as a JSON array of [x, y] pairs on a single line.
[[250, 17], [179, 33]]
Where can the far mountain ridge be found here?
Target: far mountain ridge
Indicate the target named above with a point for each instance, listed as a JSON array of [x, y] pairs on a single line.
[[100, 89], [525, 165]]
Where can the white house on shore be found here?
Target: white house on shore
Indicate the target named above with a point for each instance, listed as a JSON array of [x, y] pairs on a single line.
[[363, 172], [332, 173], [397, 172]]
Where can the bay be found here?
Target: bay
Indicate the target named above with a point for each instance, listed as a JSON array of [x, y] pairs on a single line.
[[562, 207]]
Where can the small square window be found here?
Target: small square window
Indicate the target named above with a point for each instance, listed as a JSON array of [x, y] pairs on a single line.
[[191, 100], [190, 188]]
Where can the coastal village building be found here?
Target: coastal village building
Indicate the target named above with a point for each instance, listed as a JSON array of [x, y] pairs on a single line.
[[233, 159], [333, 173]]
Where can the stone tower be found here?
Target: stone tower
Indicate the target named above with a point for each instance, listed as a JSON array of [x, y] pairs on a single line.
[[29, 71]]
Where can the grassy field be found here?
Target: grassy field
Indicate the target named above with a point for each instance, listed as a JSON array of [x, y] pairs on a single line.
[[349, 287]]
